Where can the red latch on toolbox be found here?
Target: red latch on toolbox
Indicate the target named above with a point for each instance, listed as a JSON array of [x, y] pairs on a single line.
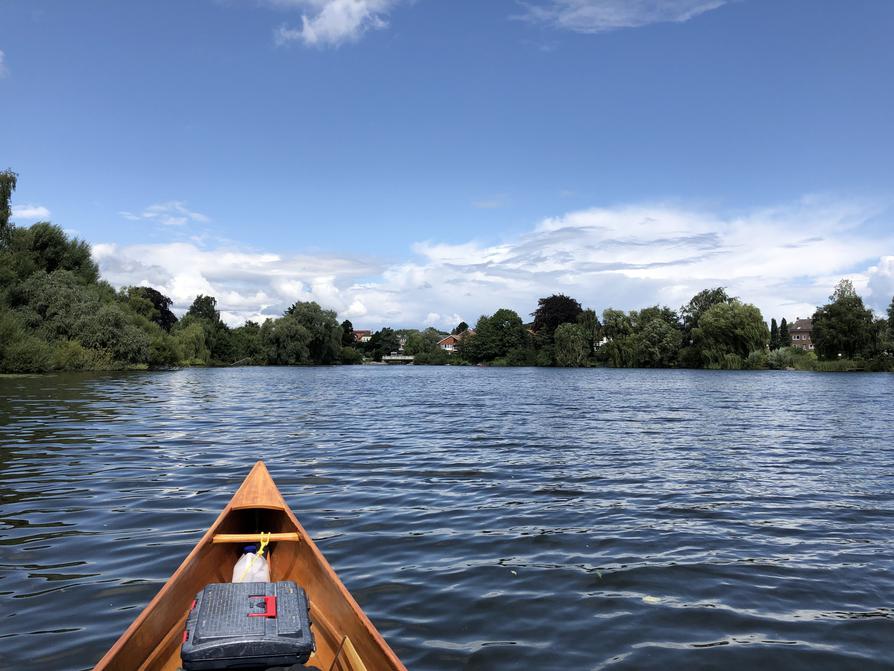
[[269, 606]]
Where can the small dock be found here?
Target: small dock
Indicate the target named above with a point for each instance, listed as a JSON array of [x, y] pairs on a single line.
[[397, 359]]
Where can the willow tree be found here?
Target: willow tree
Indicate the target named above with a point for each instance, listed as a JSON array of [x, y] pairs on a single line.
[[572, 345], [728, 332], [324, 345]]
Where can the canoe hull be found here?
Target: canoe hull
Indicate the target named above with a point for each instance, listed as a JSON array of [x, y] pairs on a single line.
[[346, 639]]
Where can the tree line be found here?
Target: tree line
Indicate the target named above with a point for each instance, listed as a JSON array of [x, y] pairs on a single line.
[[56, 313], [713, 330]]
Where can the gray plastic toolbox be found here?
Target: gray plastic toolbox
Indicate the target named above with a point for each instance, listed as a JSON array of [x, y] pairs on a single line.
[[250, 625]]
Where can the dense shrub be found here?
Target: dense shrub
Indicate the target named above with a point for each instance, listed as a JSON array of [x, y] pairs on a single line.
[[28, 355], [436, 357], [521, 356], [756, 360], [351, 356]]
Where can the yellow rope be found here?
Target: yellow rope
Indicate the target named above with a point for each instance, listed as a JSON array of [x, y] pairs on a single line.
[[259, 553], [264, 543]]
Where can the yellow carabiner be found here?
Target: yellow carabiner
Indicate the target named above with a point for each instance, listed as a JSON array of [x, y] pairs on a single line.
[[264, 543]]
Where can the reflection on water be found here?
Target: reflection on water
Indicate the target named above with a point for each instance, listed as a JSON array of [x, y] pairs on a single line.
[[484, 518]]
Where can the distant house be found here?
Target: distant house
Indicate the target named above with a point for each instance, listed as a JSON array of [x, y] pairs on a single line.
[[801, 332], [362, 336], [449, 343]]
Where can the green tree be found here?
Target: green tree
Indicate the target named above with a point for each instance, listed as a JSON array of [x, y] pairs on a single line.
[[659, 312], [347, 333], [45, 247], [52, 305], [350, 356], [617, 330], [324, 345], [572, 345], [728, 332], [774, 334], [8, 181], [648, 338], [494, 337], [462, 327], [56, 313], [785, 338], [690, 356], [152, 304], [21, 351], [204, 307], [189, 338], [553, 311], [656, 341], [383, 342], [844, 326], [422, 342], [878, 341], [697, 306], [589, 322], [57, 307], [218, 338], [163, 350], [285, 341], [110, 331], [247, 345]]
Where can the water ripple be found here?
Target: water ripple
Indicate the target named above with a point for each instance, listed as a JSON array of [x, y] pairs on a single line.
[[485, 519]]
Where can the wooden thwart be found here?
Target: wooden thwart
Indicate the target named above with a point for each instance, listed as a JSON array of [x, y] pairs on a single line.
[[256, 538]]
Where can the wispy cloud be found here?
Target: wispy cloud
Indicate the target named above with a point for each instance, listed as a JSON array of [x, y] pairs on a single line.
[[4, 71], [171, 213], [598, 16], [332, 22], [785, 259], [494, 202], [30, 212]]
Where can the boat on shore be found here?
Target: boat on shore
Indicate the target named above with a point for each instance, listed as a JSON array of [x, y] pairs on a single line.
[[346, 640]]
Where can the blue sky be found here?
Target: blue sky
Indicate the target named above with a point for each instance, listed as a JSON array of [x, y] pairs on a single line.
[[412, 162]]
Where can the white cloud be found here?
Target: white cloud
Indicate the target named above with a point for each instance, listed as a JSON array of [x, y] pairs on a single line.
[[30, 212], [786, 260], [331, 22], [247, 284], [4, 71], [171, 213], [598, 16], [880, 282]]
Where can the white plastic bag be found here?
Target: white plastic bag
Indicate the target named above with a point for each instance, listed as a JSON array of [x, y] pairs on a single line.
[[251, 568]]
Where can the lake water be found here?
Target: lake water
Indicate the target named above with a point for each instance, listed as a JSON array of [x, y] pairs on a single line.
[[484, 518]]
